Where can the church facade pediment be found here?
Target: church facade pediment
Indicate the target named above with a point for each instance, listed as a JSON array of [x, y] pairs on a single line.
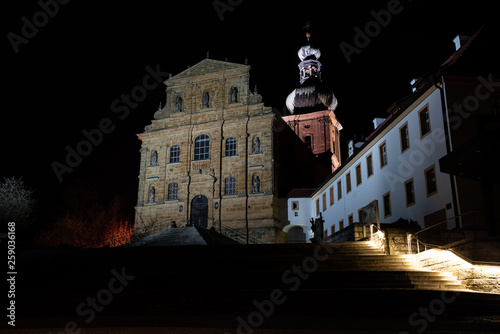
[[207, 66]]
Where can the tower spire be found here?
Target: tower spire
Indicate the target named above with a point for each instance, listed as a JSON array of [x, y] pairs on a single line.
[[311, 94]]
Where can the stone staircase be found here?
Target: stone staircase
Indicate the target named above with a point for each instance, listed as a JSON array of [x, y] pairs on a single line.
[[382, 271], [288, 286]]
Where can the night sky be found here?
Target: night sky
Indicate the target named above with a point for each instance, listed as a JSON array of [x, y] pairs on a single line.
[[64, 79]]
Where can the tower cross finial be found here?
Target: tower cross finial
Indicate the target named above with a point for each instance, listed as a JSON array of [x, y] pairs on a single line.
[[307, 28]]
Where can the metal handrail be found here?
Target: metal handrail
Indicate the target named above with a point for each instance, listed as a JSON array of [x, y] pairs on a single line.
[[250, 240], [442, 222], [410, 236]]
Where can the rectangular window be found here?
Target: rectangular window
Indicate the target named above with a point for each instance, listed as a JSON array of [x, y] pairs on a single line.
[[409, 192], [358, 175], [230, 185], [173, 189], [369, 165], [331, 196], [175, 154], [383, 154], [295, 206], [387, 205], [332, 229], [425, 122], [341, 224], [404, 137], [231, 147], [350, 219], [324, 202], [348, 182], [339, 189], [317, 207], [430, 181]]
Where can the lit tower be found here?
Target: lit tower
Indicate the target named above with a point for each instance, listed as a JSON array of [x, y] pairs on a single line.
[[312, 105]]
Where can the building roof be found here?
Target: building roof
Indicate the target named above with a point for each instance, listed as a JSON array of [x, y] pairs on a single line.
[[295, 193], [207, 66]]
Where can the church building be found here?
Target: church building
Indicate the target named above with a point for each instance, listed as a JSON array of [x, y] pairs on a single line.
[[215, 157]]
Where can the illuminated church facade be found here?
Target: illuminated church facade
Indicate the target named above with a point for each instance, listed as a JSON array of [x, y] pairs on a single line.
[[216, 157]]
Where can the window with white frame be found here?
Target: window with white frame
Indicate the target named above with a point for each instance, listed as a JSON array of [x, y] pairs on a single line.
[[202, 148]]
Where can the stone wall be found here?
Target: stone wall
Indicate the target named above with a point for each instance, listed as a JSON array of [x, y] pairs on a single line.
[[397, 241], [476, 277], [353, 232]]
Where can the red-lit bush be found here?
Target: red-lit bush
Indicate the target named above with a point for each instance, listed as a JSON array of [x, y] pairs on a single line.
[[88, 224]]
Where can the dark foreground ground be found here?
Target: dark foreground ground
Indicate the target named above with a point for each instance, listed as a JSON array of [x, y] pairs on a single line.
[[233, 289]]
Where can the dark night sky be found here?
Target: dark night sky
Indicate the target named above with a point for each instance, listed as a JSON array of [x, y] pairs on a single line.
[[66, 77]]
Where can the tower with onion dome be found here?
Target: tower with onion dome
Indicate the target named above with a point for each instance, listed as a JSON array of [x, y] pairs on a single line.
[[312, 104]]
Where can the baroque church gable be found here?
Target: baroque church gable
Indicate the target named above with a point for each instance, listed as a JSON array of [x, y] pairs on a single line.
[[207, 66]]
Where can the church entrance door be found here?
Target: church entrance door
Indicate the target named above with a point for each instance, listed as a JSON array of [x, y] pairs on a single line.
[[199, 211]]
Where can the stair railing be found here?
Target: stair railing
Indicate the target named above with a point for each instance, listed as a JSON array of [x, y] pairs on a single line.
[[247, 239], [380, 236], [410, 237]]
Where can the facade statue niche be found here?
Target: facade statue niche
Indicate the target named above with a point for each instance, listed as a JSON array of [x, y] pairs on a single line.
[[178, 104], [152, 194], [154, 158], [206, 100], [234, 95], [256, 145]]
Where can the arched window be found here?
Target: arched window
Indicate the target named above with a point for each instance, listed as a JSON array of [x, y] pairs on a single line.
[[178, 104], [234, 95], [230, 185], [172, 191], [231, 147], [202, 148], [175, 154], [154, 158], [255, 183], [206, 100]]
